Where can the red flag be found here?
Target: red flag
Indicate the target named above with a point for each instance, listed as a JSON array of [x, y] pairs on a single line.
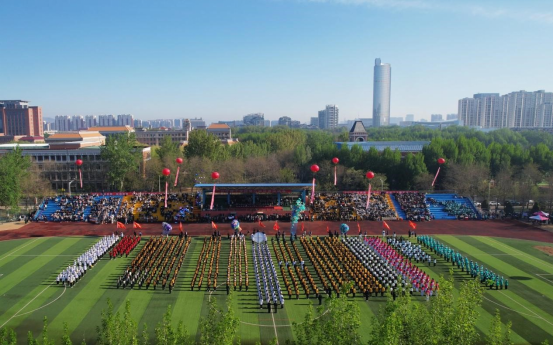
[[213, 225], [180, 226], [302, 226], [412, 224], [327, 230], [136, 225], [386, 225], [121, 225], [260, 224], [358, 227], [276, 227]]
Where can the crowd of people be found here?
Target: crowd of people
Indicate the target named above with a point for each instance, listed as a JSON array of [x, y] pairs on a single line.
[[486, 276], [70, 275], [414, 205], [70, 208], [157, 264], [351, 207], [268, 286], [292, 266], [409, 276], [209, 255], [237, 268], [125, 246], [105, 210], [454, 208], [150, 207]]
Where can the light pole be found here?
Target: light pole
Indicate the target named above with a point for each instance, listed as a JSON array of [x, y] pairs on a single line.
[[69, 186], [381, 184], [159, 183]]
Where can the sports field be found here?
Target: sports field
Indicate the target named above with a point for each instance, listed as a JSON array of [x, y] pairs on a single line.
[[28, 292]]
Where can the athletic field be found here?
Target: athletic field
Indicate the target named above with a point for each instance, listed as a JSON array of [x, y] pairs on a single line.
[[28, 292]]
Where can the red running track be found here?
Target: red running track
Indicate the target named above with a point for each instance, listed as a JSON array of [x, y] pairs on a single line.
[[506, 229]]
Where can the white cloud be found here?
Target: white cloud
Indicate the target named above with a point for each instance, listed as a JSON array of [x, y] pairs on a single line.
[[499, 12]]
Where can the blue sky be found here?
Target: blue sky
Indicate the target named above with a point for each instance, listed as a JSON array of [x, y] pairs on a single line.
[[221, 60]]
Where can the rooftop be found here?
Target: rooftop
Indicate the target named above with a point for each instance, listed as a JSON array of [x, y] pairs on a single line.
[[218, 126]]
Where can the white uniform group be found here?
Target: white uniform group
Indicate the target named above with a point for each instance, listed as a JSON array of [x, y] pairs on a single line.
[[268, 287], [72, 274]]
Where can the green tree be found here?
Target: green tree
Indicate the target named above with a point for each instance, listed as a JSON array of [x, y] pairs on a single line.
[[7, 336], [145, 340], [202, 144], [496, 335], [129, 327], [220, 327], [45, 340], [31, 339], [13, 172], [168, 150], [165, 334], [123, 158], [65, 338], [337, 324]]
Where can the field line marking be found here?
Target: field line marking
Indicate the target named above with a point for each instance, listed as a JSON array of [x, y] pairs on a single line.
[[542, 262], [538, 316], [27, 304], [14, 251], [274, 326], [62, 293], [542, 277]]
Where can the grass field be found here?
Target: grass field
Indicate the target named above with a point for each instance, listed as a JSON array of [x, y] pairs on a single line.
[[28, 292]]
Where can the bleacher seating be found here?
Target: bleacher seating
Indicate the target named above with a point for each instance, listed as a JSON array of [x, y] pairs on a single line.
[[400, 213], [451, 207]]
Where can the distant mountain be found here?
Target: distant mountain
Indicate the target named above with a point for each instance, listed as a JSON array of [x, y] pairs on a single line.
[[48, 120]]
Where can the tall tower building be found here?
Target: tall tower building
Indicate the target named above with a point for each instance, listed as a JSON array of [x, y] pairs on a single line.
[[18, 119], [328, 117], [381, 93]]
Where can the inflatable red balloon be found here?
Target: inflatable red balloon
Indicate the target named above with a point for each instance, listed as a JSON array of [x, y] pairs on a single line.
[[370, 175], [166, 172], [215, 175], [335, 160], [179, 160], [79, 162], [441, 160], [314, 168]]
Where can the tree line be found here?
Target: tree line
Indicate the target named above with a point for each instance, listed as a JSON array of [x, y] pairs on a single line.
[[504, 163]]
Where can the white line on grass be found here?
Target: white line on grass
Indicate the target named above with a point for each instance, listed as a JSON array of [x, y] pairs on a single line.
[[45, 305], [14, 251], [14, 315], [274, 326], [542, 276], [523, 254], [535, 314]]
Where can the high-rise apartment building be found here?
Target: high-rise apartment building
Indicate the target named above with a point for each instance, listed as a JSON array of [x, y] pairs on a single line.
[[137, 123], [125, 119], [254, 119], [436, 117], [107, 120], [18, 119], [314, 121], [90, 121], [285, 121], [197, 123], [328, 118], [452, 116], [518, 109], [381, 93], [410, 117]]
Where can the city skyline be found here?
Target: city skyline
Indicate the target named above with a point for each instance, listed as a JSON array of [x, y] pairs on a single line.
[[158, 57]]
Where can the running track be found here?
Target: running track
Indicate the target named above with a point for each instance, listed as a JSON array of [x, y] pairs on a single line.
[[506, 229]]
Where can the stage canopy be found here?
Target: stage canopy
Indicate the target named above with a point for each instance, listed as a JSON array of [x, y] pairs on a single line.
[[255, 188]]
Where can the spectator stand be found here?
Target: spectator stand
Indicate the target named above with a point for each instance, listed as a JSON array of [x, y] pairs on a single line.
[[451, 207], [414, 205]]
